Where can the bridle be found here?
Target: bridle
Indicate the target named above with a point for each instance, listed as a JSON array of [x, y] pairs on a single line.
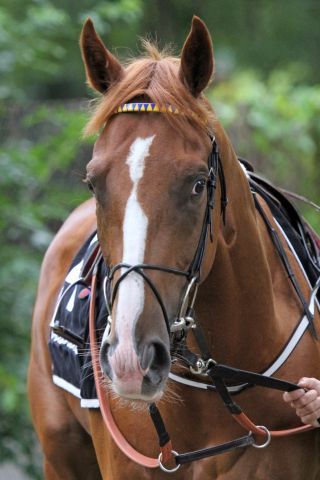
[[178, 330], [181, 322]]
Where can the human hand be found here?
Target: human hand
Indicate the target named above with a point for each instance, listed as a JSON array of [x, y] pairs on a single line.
[[306, 400]]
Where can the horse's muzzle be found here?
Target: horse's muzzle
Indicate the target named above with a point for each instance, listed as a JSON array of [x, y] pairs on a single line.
[[136, 375]]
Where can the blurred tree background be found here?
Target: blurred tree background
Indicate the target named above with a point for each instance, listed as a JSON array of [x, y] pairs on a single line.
[[266, 92]]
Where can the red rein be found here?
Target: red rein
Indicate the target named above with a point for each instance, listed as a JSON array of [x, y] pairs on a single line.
[[117, 436], [246, 423]]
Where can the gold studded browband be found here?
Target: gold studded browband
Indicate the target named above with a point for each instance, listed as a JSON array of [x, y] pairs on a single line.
[[146, 107]]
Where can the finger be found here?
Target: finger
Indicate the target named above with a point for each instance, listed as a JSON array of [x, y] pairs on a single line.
[[310, 408], [310, 384], [316, 423], [312, 419], [305, 399], [292, 396]]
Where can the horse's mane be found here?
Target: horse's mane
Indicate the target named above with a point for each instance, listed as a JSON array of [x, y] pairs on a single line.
[[154, 78]]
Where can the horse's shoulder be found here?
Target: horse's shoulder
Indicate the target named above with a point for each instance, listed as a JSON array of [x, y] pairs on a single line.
[[68, 240]]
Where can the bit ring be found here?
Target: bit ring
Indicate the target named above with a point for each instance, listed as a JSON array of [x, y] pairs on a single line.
[[167, 470]]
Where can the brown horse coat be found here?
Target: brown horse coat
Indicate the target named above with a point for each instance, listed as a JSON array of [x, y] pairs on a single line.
[[246, 305]]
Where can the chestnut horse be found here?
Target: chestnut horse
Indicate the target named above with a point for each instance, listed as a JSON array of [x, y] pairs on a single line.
[[149, 175]]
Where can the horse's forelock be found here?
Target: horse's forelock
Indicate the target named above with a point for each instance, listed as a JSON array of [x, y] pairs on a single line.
[[154, 77]]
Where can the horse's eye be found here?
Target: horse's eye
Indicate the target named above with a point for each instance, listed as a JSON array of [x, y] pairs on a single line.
[[198, 187]]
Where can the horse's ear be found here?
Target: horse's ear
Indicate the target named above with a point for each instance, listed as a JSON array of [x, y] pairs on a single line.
[[102, 68], [197, 62]]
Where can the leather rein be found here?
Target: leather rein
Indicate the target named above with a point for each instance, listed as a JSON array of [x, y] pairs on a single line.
[[178, 330]]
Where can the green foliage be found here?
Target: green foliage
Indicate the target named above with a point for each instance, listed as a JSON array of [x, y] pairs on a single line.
[[39, 38], [275, 124], [40, 55], [265, 35], [37, 169]]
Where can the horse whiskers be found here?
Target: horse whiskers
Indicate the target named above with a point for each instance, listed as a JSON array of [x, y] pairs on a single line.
[[124, 403], [86, 377], [100, 330], [118, 401], [171, 396], [87, 365], [179, 363], [87, 351], [175, 354]]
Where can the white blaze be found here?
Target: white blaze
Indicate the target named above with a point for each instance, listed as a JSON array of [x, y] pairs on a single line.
[[131, 290]]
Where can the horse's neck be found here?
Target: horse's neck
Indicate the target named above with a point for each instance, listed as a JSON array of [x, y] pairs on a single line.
[[239, 304]]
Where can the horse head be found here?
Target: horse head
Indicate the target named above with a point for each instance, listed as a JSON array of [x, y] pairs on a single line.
[[152, 183]]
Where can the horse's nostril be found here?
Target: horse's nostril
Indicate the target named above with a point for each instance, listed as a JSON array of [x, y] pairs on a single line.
[[147, 356], [155, 361], [103, 357], [153, 377]]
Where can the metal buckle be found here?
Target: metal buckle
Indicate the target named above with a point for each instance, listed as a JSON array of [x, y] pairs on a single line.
[[202, 366], [190, 322], [167, 470], [179, 324], [182, 323]]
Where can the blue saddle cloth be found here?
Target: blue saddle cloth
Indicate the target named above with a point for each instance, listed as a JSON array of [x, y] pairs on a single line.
[[69, 336]]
